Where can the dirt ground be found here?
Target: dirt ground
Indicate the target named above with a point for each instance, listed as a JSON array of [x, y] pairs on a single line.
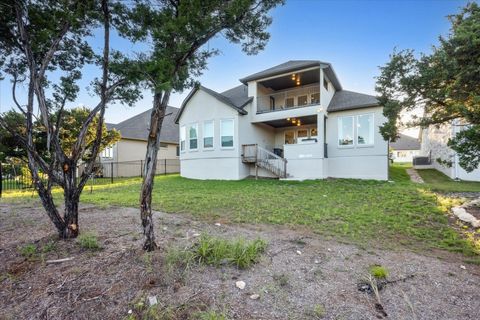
[[301, 275]]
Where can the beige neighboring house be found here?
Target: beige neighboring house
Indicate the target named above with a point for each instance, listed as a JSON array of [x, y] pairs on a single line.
[[434, 146], [405, 148], [126, 157]]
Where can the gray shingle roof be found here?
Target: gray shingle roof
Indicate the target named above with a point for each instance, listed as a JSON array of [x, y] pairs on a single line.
[[137, 126], [347, 100], [237, 98], [405, 142], [294, 65]]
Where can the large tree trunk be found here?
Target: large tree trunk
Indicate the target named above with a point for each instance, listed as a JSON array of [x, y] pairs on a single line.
[[72, 199], [160, 103]]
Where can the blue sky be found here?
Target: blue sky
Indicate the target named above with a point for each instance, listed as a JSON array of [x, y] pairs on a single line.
[[355, 36]]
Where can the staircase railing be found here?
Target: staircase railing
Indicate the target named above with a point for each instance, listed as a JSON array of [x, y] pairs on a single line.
[[265, 159]]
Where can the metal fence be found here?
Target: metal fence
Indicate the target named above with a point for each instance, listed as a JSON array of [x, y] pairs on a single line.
[[17, 177]]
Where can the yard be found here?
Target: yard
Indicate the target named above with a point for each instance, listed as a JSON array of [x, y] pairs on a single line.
[[321, 239]]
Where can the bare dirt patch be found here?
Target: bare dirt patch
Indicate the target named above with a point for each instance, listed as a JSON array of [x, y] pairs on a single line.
[[301, 275]]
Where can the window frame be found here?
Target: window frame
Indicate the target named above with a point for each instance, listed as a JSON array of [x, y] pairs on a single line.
[[285, 136], [212, 136], [353, 132], [194, 124], [221, 134], [371, 130], [183, 129]]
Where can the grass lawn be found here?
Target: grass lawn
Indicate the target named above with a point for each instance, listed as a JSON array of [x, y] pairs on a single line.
[[385, 214], [437, 181]]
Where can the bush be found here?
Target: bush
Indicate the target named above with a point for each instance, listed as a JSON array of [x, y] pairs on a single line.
[[379, 272], [88, 241]]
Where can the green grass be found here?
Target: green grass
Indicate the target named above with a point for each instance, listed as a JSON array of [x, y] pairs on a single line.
[[28, 250], [379, 213], [379, 272], [437, 181], [88, 241], [216, 251]]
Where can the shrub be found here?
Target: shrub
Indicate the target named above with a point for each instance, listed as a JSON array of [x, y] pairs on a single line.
[[28, 250], [88, 241], [379, 272]]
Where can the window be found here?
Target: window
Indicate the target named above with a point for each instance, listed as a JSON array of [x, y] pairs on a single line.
[[226, 133], [107, 153], [193, 136], [208, 134], [313, 132], [365, 129], [289, 137], [178, 151], [302, 100], [302, 133], [345, 131], [289, 102], [182, 138], [325, 83], [315, 98]]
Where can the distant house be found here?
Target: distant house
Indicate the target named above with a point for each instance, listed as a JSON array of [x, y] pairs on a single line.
[[291, 121], [436, 154], [128, 154], [405, 148]]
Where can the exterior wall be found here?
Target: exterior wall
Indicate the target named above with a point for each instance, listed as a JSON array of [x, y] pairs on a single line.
[[362, 162], [325, 95], [404, 155], [434, 143], [216, 163], [305, 161]]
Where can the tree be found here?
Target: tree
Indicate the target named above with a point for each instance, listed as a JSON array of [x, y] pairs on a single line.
[[69, 130], [176, 32], [48, 37], [446, 83]]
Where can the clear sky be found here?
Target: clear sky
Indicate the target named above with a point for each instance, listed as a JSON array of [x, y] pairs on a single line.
[[355, 36]]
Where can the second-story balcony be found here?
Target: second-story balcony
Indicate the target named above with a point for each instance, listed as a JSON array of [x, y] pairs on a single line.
[[285, 99]]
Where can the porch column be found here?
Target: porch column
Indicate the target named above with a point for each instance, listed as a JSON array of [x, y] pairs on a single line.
[[321, 129]]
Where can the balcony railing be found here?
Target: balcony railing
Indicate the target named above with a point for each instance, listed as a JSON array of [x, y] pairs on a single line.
[[289, 99]]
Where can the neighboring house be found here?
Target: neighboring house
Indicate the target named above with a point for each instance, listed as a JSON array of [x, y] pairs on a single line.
[[405, 148], [434, 147], [291, 121], [130, 151]]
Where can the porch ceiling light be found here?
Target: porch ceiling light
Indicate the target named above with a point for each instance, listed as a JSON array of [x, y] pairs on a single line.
[[293, 76], [288, 119]]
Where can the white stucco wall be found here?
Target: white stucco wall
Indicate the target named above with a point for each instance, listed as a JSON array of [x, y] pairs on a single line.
[[216, 163], [362, 162]]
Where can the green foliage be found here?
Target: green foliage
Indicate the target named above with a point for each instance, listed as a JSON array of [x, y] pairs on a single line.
[[444, 83], [319, 311], [379, 272], [28, 250], [88, 241], [215, 251], [210, 315]]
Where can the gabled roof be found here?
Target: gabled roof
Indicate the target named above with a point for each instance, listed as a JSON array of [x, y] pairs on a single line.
[[347, 100], [237, 98], [137, 126], [405, 142], [294, 65]]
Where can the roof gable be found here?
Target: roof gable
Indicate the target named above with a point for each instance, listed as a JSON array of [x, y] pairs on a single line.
[[405, 142]]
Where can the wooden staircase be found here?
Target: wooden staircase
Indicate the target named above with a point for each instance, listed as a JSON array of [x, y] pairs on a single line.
[[262, 158]]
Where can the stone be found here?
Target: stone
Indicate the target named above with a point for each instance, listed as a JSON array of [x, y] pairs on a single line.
[[240, 285], [317, 261], [130, 311], [152, 300], [299, 252], [463, 267], [255, 296], [329, 250], [463, 215], [218, 224]]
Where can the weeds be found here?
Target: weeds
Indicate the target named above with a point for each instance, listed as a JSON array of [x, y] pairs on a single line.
[[88, 241], [28, 250], [379, 272]]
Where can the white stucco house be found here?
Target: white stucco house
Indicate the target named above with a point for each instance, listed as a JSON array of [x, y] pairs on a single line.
[[405, 148], [291, 121], [434, 147]]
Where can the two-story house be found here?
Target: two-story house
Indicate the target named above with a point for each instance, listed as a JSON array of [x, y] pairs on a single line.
[[291, 121]]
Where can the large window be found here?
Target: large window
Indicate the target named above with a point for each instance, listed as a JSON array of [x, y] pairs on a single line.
[[345, 131], [289, 137], [208, 134], [226, 133], [193, 137], [182, 138], [365, 129]]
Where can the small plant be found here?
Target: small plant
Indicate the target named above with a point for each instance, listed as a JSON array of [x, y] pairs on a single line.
[[50, 246], [281, 279], [211, 315], [88, 241], [28, 250], [319, 311], [379, 272]]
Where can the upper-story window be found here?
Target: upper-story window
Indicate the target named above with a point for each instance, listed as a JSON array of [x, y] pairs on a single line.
[[107, 153], [365, 129], [193, 137], [345, 131], [182, 138], [208, 134], [227, 133]]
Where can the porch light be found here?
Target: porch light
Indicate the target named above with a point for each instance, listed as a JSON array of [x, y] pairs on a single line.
[[293, 121], [299, 124], [288, 119], [293, 76]]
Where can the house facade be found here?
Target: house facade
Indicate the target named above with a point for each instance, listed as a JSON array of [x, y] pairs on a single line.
[[291, 121], [435, 152], [125, 157], [405, 148]]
